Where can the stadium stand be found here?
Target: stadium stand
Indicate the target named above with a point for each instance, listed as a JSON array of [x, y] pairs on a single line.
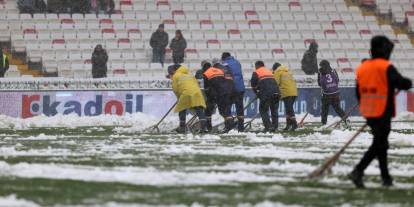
[[250, 29]]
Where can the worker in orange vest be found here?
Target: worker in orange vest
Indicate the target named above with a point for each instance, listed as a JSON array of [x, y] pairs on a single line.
[[266, 88], [218, 87], [377, 81]]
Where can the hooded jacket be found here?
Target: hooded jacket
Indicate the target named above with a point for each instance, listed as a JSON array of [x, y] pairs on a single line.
[[187, 90], [328, 79], [99, 62], [286, 82], [178, 46], [309, 60], [159, 40], [381, 48], [235, 67]]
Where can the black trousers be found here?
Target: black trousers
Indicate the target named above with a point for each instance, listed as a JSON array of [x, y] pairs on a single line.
[[183, 114], [335, 102], [269, 103], [177, 59], [237, 99], [223, 104], [289, 102], [380, 128]]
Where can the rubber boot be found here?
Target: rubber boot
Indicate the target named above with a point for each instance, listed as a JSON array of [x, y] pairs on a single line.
[[288, 124], [387, 182], [203, 127], [240, 124], [228, 125], [294, 124], [267, 126], [209, 125], [182, 129], [356, 177]]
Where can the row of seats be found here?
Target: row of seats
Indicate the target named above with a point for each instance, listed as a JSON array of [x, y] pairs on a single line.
[[223, 6], [193, 15], [253, 25]]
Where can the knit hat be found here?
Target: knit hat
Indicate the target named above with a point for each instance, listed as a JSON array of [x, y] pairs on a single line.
[[171, 70], [161, 26]]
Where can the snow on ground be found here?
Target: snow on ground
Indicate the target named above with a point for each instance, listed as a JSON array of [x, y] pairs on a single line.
[[96, 156], [12, 201]]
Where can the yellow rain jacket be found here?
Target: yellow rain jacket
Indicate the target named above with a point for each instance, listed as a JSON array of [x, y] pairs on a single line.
[[286, 82], [187, 90]]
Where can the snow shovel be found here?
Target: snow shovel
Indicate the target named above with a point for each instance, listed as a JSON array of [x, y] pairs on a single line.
[[336, 124], [328, 164], [215, 128], [302, 121], [248, 125], [155, 127]]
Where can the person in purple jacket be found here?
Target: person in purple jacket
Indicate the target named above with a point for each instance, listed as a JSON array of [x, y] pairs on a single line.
[[328, 80]]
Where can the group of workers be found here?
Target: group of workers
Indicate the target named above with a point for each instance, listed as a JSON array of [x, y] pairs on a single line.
[[224, 87], [377, 82]]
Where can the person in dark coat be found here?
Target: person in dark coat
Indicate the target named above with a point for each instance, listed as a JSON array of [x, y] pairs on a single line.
[[218, 88], [204, 66], [4, 62], [99, 62], [377, 82], [328, 80], [238, 95], [266, 88], [158, 42], [178, 45], [309, 60]]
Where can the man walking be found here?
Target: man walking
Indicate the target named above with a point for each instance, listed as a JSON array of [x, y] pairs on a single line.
[[238, 94], [265, 87], [328, 80], [158, 42], [377, 81], [288, 91]]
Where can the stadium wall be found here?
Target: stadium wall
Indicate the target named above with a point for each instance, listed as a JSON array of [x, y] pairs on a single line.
[[25, 104]]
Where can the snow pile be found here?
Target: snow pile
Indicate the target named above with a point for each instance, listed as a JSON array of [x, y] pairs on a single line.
[[12, 201], [72, 120]]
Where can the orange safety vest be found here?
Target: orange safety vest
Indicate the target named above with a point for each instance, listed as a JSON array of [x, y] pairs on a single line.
[[373, 87], [213, 72], [264, 73]]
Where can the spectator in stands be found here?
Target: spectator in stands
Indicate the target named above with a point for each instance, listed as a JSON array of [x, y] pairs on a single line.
[[109, 6], [99, 62], [31, 6], [328, 80], [158, 42], [288, 91], [4, 63], [178, 45], [309, 60], [238, 93]]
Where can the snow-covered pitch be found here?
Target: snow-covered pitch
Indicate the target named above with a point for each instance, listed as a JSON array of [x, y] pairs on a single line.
[[110, 161]]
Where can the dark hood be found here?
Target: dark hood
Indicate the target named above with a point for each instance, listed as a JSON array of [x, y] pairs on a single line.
[[381, 47], [98, 48], [313, 47], [325, 67]]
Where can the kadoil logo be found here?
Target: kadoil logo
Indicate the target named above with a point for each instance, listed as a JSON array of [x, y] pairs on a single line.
[[95, 105]]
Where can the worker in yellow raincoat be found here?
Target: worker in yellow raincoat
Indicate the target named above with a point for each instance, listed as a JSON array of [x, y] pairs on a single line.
[[189, 96], [288, 91]]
